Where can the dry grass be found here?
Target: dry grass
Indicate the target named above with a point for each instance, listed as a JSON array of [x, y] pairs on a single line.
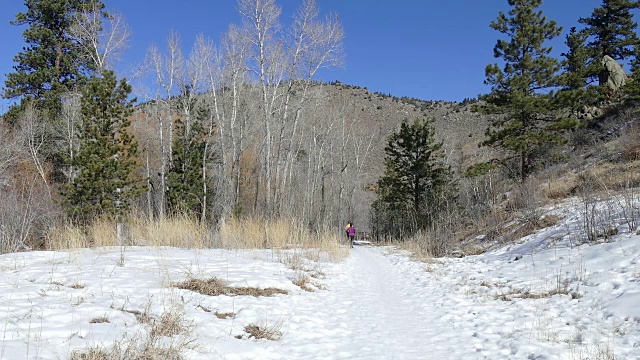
[[257, 234], [184, 232], [418, 251], [302, 280], [133, 349], [602, 351], [99, 320], [225, 315], [269, 332], [253, 233], [148, 345], [527, 294], [171, 323], [66, 237], [561, 187], [76, 285], [178, 231], [215, 287], [609, 175]]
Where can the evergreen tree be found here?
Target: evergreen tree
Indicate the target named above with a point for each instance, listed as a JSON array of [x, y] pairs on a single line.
[[575, 90], [49, 65], [104, 183], [576, 62], [521, 93], [185, 187], [632, 87], [612, 32], [410, 193]]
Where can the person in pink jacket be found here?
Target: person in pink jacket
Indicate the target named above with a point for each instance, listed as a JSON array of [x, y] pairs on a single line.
[[351, 233]]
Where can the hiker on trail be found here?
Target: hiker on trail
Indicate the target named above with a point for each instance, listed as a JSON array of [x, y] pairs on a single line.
[[351, 233]]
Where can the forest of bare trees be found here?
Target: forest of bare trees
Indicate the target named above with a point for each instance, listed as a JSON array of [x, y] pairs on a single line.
[[281, 149]]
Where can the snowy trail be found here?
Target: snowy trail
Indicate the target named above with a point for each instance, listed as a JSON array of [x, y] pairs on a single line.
[[376, 304], [371, 311]]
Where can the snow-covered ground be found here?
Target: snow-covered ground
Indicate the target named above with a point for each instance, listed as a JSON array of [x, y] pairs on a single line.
[[543, 298]]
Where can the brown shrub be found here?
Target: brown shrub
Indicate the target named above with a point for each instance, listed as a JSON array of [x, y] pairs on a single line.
[[215, 287], [272, 333]]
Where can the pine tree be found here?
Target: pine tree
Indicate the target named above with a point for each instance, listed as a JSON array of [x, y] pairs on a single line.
[[632, 88], [575, 91], [521, 93], [104, 183], [612, 32], [185, 185], [576, 62], [410, 191], [50, 64]]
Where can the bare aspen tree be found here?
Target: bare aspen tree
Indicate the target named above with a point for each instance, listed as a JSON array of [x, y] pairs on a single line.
[[282, 71], [102, 36], [319, 167], [217, 119], [10, 150], [261, 19], [36, 136], [157, 62], [200, 67], [67, 130], [167, 71], [230, 85], [315, 45]]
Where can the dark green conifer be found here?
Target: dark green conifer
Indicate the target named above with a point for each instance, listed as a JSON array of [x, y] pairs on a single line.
[[575, 89], [185, 183], [612, 32], [49, 65], [410, 193], [104, 183], [521, 90]]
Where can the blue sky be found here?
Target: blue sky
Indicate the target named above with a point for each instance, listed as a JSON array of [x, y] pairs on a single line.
[[425, 49]]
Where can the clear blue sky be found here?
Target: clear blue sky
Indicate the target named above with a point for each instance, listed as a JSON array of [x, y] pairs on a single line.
[[419, 48]]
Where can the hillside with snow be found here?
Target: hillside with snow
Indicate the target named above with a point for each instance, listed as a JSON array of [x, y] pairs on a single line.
[[550, 295]]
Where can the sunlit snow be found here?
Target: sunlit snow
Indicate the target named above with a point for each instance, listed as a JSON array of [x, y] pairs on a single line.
[[548, 296]]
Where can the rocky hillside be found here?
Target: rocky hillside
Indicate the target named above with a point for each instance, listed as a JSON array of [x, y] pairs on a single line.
[[460, 129]]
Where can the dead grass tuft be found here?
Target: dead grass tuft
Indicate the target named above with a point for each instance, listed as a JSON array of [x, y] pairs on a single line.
[[272, 333], [99, 320], [77, 286], [143, 317], [527, 294], [472, 249], [561, 187], [128, 350], [301, 280], [171, 323], [215, 287], [225, 315]]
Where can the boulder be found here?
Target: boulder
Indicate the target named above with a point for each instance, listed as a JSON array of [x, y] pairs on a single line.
[[616, 77]]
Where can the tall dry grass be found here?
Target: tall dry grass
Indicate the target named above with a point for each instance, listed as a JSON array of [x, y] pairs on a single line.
[[179, 231], [185, 232], [279, 234]]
